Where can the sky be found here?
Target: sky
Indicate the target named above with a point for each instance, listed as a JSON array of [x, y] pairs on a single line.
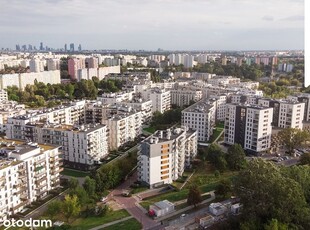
[[153, 24]]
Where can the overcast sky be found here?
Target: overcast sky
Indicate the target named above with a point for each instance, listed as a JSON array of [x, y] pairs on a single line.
[[153, 24]]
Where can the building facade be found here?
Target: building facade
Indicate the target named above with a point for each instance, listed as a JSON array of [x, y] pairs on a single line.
[[164, 155], [249, 126], [28, 171]]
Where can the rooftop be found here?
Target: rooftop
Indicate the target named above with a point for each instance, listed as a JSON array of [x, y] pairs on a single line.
[[199, 107]]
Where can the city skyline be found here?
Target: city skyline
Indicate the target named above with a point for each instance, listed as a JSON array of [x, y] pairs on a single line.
[[169, 25]]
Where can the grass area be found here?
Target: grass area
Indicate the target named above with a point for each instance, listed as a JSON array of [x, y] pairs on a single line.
[[131, 224], [139, 189], [91, 222], [171, 196], [150, 129], [218, 129], [74, 173], [215, 134], [203, 177], [181, 206], [206, 179]]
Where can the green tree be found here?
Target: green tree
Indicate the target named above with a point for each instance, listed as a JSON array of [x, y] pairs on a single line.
[[236, 157], [275, 225], [216, 157], [71, 207], [53, 209], [292, 138], [300, 174], [305, 159], [90, 186], [265, 194], [73, 183], [81, 194], [194, 195], [224, 188]]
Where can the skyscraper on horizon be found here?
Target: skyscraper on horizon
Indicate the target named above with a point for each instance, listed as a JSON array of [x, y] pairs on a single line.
[[41, 46], [66, 48], [72, 47]]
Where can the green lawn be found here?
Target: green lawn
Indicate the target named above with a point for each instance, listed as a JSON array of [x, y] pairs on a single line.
[[215, 134], [74, 173], [203, 177], [150, 129], [91, 222], [131, 224], [139, 189]]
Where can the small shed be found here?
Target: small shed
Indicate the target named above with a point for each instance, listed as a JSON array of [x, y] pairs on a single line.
[[235, 208], [217, 209], [161, 208], [206, 221]]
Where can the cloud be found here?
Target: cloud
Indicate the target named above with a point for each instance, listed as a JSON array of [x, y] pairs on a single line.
[[145, 24], [268, 18], [294, 18]]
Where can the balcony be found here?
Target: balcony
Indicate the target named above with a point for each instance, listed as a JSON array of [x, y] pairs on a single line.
[[39, 173], [139, 169], [22, 204], [41, 186], [38, 181], [55, 171], [56, 183], [40, 161], [21, 190]]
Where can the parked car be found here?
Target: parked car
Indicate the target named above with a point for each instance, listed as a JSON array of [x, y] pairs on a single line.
[[104, 199]]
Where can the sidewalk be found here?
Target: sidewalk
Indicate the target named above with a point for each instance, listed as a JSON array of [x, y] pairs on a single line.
[[186, 209], [111, 223]]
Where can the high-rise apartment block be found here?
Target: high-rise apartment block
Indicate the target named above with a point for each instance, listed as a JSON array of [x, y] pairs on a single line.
[[185, 96], [36, 65], [303, 98], [28, 171], [53, 64], [74, 65], [161, 99], [91, 62], [286, 113], [249, 126], [164, 155], [123, 127], [201, 117]]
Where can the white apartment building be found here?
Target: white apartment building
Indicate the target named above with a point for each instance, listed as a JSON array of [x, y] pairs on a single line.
[[305, 98], [223, 80], [83, 146], [185, 96], [123, 127], [220, 111], [53, 64], [249, 126], [27, 172], [9, 109], [36, 65], [286, 113], [291, 114], [164, 155], [145, 107], [200, 117], [161, 99], [113, 98], [3, 95], [23, 79]]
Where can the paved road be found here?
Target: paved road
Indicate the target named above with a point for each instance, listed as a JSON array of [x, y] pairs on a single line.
[[129, 203]]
